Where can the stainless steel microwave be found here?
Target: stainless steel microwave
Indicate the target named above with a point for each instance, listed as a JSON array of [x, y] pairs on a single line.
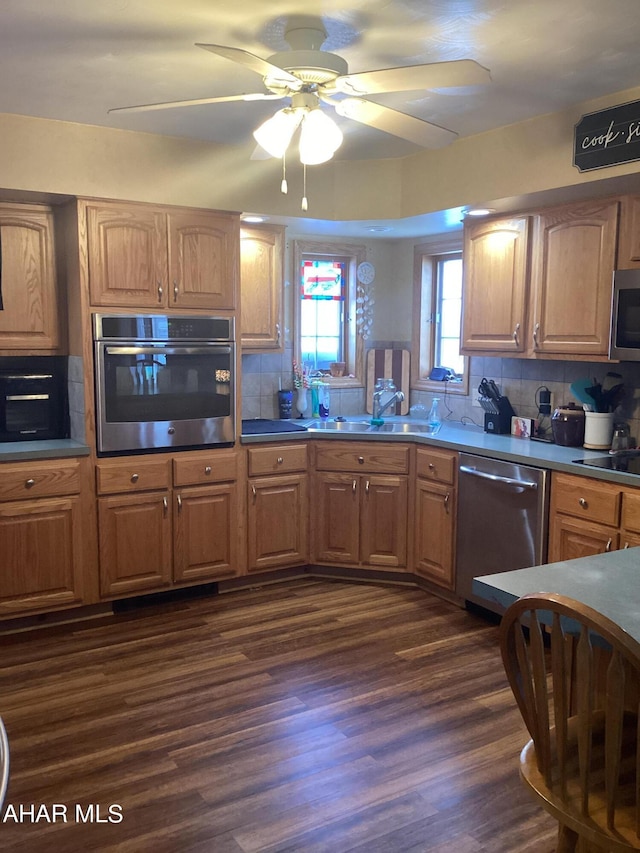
[[624, 343]]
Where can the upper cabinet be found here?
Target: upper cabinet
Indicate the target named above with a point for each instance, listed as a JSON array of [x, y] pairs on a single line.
[[145, 257], [29, 316], [261, 287], [556, 304], [629, 239]]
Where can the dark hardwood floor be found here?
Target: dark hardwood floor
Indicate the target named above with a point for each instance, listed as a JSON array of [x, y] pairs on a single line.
[[312, 715]]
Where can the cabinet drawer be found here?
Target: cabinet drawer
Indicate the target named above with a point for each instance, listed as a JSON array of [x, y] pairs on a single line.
[[132, 475], [590, 499], [39, 478], [370, 457], [277, 459], [631, 511], [216, 467], [437, 465]]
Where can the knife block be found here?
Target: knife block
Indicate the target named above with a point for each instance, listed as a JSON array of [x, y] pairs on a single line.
[[500, 422]]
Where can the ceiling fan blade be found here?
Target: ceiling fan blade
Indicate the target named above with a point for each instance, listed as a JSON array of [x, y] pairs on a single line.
[[435, 75], [141, 108], [408, 127], [255, 63]]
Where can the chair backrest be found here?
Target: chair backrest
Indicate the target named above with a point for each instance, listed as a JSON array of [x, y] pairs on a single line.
[[575, 675], [4, 762]]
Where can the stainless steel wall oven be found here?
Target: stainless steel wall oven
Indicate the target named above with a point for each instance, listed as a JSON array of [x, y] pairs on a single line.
[[163, 382]]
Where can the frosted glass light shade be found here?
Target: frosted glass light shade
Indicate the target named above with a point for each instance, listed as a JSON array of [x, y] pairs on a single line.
[[274, 135], [320, 138]]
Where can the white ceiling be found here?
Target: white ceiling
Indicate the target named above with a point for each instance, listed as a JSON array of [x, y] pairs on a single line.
[[75, 59]]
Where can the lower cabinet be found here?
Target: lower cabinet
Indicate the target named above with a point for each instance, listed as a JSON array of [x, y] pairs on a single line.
[[160, 524], [360, 519], [277, 507], [435, 514], [41, 529]]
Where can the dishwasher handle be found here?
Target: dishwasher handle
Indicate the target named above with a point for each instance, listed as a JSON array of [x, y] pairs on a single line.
[[495, 478]]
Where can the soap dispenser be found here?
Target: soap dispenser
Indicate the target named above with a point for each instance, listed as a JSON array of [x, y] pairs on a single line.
[[433, 418]]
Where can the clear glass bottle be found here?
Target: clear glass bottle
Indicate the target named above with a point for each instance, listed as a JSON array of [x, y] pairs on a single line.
[[433, 418]]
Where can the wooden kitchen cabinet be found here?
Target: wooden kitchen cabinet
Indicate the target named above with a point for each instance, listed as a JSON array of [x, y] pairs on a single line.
[[167, 521], [29, 319], [41, 529], [435, 515], [629, 234], [261, 287], [277, 507], [146, 257], [556, 306], [584, 517], [360, 505], [496, 285]]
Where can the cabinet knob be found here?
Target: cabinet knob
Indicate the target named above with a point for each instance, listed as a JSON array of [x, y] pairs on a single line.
[[207, 470], [432, 467], [584, 503], [361, 460], [135, 478], [280, 460], [29, 483]]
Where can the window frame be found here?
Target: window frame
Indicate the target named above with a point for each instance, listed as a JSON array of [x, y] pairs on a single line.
[[351, 255], [425, 258]]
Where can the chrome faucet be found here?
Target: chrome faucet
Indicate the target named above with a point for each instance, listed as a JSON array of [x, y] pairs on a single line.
[[382, 387]]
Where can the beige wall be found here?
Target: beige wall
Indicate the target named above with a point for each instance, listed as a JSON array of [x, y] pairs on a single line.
[[58, 157]]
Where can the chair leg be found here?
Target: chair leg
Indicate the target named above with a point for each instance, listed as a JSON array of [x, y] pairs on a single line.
[[567, 839]]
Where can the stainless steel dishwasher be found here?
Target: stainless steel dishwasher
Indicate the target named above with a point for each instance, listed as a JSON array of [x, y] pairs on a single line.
[[502, 520]]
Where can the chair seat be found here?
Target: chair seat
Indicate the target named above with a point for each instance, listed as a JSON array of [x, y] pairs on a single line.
[[566, 806]]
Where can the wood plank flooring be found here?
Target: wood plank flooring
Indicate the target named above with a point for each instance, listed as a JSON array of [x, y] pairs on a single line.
[[313, 715]]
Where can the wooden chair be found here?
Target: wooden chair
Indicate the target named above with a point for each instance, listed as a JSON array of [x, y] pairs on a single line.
[[4, 763], [575, 675]]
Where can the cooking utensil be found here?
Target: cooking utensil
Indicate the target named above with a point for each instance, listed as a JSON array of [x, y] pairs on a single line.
[[579, 391]]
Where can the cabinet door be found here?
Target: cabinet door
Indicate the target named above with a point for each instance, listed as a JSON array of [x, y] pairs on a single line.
[[574, 259], [629, 238], [135, 542], [204, 260], [205, 539], [336, 518], [384, 521], [128, 264], [28, 297], [434, 533], [278, 518], [261, 286], [570, 538], [40, 544], [495, 290]]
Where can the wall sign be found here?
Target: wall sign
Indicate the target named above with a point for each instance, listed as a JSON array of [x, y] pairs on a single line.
[[608, 137]]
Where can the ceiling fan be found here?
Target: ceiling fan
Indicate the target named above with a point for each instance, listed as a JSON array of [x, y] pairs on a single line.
[[309, 76]]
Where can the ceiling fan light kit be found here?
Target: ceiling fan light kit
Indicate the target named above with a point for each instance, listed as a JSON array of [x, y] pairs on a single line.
[[308, 76]]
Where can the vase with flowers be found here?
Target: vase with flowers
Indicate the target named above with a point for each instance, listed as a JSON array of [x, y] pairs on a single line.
[[301, 384]]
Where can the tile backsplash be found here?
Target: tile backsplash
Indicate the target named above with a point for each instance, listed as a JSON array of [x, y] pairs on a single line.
[[518, 379]]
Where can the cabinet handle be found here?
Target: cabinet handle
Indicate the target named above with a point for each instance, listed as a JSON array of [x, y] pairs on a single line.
[[515, 333], [135, 478], [626, 545], [366, 487], [361, 460], [179, 502], [165, 506], [175, 291], [280, 460], [354, 486], [607, 547], [207, 470], [29, 483], [447, 498], [536, 329], [253, 492], [583, 503], [160, 292], [278, 334]]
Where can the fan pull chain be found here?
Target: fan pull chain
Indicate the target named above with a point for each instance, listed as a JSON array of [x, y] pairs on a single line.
[[305, 203], [283, 186]]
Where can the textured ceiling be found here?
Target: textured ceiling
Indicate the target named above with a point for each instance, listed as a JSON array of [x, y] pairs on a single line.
[[75, 59]]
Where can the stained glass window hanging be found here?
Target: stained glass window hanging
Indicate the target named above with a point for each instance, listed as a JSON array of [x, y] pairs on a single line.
[[323, 280]]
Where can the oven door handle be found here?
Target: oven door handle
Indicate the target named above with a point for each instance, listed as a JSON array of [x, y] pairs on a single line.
[[212, 349]]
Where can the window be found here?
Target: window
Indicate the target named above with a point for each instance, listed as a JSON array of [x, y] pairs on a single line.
[[437, 320], [325, 309]]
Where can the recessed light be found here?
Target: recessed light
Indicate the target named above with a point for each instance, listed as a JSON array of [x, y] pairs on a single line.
[[378, 229], [479, 211], [253, 218]]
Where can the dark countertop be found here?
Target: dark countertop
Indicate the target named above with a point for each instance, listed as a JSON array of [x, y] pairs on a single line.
[[23, 451]]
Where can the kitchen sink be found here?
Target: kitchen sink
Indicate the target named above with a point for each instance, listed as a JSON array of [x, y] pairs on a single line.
[[365, 426], [342, 426], [408, 426]]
